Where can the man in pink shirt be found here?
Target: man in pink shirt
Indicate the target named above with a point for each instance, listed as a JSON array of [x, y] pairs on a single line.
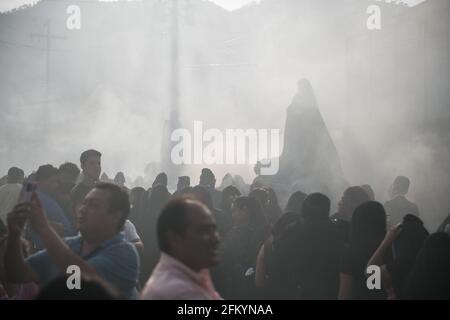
[[188, 240]]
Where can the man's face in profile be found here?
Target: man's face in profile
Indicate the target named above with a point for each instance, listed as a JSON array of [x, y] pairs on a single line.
[[200, 239], [92, 167], [93, 215]]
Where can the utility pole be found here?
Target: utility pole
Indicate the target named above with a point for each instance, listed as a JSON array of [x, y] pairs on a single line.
[[48, 38], [173, 122]]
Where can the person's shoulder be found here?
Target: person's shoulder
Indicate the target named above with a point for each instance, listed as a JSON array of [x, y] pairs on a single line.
[[49, 200], [10, 187], [410, 203], [3, 190], [15, 186], [122, 243], [72, 240], [168, 292], [170, 285], [118, 255], [80, 187], [122, 247], [79, 191], [389, 202], [289, 235]]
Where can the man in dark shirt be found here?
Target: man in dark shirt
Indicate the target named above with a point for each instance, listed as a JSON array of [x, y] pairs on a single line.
[[208, 181], [47, 184], [67, 176], [399, 206], [90, 161]]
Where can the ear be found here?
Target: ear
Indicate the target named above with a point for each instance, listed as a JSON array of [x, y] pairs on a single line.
[[116, 216], [174, 239]]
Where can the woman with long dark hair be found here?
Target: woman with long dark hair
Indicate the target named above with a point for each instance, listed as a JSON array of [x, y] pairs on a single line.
[[247, 234], [146, 227], [368, 228]]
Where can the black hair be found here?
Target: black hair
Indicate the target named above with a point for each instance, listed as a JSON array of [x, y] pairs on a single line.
[[174, 218], [207, 176], [316, 207], [70, 168], [87, 154], [15, 175], [118, 200], [401, 184], [254, 208], [161, 179], [429, 278], [230, 191], [45, 172], [295, 202], [368, 226]]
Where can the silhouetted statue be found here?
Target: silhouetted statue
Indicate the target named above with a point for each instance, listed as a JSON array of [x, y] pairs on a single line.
[[309, 158]]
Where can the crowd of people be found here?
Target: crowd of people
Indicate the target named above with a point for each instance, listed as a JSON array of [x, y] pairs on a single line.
[[233, 241]]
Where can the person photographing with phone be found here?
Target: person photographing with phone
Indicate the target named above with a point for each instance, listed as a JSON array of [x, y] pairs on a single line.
[[99, 251], [46, 186]]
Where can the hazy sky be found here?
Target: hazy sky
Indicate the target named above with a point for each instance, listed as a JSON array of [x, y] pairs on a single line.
[[232, 4], [7, 5]]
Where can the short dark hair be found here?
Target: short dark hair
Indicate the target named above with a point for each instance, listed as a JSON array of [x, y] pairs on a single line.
[[45, 172], [185, 180], [15, 175], [161, 179], [69, 168], [207, 176], [118, 200], [174, 217], [401, 184], [295, 202], [89, 153], [368, 189], [230, 191], [254, 208], [119, 175], [316, 206]]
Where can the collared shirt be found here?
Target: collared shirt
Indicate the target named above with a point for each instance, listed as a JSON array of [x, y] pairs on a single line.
[[129, 231], [79, 192], [9, 196], [398, 207], [173, 280], [116, 261]]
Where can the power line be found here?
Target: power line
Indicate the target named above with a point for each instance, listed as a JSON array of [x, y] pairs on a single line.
[[19, 45]]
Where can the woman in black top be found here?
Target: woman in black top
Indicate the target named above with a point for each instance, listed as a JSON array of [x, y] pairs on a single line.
[[368, 228], [241, 246]]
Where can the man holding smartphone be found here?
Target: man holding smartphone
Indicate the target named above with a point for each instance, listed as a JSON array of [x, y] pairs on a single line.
[[99, 251], [46, 189]]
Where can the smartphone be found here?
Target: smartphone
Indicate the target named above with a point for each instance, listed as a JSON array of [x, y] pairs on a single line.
[[28, 188]]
